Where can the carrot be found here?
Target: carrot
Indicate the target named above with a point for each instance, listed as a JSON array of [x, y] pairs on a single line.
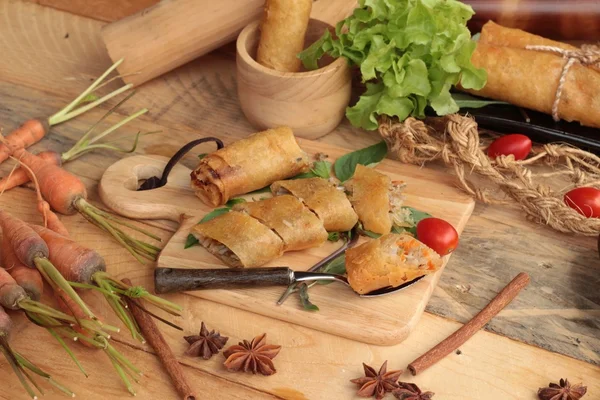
[[74, 261], [51, 220], [26, 244], [84, 145], [19, 364], [31, 132], [60, 188], [11, 294], [67, 195], [31, 250], [20, 177]]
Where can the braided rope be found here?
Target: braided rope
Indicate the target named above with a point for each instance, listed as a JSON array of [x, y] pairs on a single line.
[[455, 140]]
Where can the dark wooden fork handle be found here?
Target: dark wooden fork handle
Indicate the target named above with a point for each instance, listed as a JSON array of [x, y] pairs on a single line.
[[170, 280]]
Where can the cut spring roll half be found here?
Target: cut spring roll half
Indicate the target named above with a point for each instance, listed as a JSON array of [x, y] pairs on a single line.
[[390, 260], [368, 191], [326, 200], [287, 216], [239, 240], [248, 164]]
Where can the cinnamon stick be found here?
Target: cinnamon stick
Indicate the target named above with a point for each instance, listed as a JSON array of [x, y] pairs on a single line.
[[163, 351], [454, 341]]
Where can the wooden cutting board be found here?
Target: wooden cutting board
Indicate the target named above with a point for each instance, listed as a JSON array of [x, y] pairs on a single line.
[[385, 320]]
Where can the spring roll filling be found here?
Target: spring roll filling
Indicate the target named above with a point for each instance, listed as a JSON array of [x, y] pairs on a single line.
[[220, 251]]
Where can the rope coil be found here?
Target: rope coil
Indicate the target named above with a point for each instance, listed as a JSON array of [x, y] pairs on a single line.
[[455, 140]]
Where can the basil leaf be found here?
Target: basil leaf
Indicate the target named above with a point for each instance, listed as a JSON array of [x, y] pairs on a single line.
[[214, 213], [304, 299], [234, 201], [345, 166], [321, 169], [333, 236], [191, 241], [201, 156], [335, 266], [416, 215], [465, 100]]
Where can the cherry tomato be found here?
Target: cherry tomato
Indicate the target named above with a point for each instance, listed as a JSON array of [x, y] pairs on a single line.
[[516, 144], [437, 234], [586, 200]]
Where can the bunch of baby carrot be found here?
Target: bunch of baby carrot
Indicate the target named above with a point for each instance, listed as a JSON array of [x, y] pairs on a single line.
[[32, 254]]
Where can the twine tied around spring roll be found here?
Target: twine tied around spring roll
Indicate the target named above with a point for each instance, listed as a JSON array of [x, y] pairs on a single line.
[[587, 55], [455, 140]]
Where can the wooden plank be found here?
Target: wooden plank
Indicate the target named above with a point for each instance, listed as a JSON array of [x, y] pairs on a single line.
[[311, 364], [559, 311]]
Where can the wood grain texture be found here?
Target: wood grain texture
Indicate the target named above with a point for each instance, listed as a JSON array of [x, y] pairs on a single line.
[[383, 320], [559, 311]]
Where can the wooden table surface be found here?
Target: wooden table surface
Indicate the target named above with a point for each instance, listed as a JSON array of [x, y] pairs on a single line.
[[552, 330]]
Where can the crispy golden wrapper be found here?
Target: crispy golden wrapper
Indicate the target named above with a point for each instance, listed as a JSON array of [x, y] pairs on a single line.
[[529, 78], [369, 196], [390, 260], [282, 32], [329, 203], [239, 240], [248, 164], [299, 227]]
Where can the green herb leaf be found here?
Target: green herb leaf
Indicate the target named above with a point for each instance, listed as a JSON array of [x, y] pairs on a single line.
[[304, 299], [191, 241], [411, 53], [215, 213], [345, 166], [414, 218], [234, 201], [202, 155], [321, 169], [335, 266], [333, 236], [465, 100]]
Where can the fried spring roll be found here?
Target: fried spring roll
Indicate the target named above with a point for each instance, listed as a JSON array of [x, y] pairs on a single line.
[[282, 32], [368, 191], [248, 164], [327, 201], [287, 216], [529, 78], [239, 240], [390, 260]]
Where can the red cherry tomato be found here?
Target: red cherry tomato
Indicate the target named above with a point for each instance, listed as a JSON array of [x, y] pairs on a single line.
[[586, 200], [516, 144], [437, 234]]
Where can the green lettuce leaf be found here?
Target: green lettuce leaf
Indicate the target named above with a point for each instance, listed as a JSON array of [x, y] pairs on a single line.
[[410, 54]]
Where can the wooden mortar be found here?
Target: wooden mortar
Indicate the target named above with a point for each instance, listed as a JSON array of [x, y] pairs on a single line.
[[312, 103]]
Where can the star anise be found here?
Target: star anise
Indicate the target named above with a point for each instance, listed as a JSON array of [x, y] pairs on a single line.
[[377, 383], [410, 391], [255, 356], [562, 391], [205, 344]]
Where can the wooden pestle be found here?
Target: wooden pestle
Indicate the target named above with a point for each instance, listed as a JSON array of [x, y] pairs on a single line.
[[173, 32]]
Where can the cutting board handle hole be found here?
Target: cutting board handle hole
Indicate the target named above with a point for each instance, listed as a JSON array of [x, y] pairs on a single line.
[[140, 174]]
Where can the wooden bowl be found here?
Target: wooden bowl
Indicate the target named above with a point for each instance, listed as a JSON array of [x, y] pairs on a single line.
[[312, 103]]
